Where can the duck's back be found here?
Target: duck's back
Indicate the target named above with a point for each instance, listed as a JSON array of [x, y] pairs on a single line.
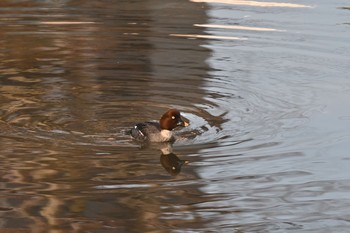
[[143, 131]]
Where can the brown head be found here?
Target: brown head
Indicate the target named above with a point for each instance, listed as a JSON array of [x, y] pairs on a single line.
[[171, 119]]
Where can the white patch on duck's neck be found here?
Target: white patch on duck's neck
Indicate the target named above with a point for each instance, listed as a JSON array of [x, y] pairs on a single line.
[[167, 135]]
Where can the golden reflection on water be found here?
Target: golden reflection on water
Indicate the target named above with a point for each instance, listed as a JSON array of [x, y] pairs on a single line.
[[65, 22]]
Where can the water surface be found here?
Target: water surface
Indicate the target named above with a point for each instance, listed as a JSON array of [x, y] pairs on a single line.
[[265, 86]]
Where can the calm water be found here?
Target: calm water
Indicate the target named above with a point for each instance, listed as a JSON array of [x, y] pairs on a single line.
[[265, 86]]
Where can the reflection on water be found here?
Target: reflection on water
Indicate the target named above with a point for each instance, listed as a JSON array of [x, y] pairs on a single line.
[[254, 3], [236, 27], [208, 37], [264, 89]]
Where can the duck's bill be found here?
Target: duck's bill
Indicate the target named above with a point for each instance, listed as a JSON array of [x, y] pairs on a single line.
[[183, 123]]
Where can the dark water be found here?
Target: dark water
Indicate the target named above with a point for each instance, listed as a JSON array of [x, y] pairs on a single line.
[[265, 86]]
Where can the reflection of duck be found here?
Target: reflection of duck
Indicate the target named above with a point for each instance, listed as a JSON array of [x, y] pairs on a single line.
[[170, 161], [158, 132]]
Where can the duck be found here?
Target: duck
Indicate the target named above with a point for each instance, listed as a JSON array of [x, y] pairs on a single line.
[[159, 131]]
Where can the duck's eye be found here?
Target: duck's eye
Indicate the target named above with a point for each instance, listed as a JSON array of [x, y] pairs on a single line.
[[173, 117]]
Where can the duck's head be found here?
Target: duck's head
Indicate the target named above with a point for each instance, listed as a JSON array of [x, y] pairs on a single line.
[[172, 119]]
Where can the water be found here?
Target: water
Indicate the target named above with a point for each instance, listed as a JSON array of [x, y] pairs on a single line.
[[265, 86]]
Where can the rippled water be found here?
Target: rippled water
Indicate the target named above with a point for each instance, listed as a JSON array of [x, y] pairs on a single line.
[[265, 86]]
